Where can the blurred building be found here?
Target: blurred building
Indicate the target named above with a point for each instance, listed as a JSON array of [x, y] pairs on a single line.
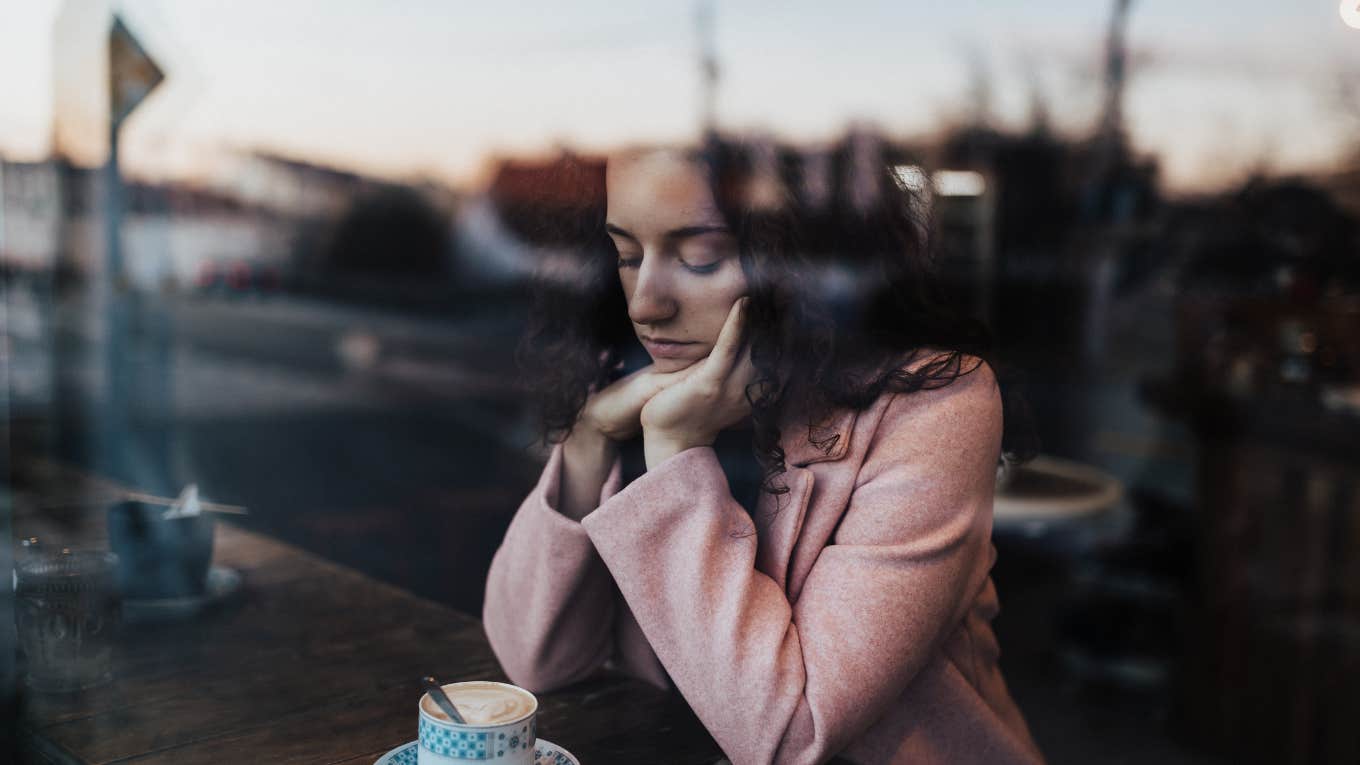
[[1344, 186], [30, 215], [291, 187], [54, 223], [1062, 216], [263, 214]]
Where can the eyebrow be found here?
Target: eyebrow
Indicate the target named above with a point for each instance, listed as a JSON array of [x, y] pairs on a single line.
[[675, 233]]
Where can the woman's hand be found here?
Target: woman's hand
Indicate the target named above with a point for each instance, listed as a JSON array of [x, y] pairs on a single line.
[[615, 412], [711, 397], [609, 416]]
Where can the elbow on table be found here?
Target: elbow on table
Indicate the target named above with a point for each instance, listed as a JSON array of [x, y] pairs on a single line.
[[530, 667], [517, 659], [530, 680], [540, 679]]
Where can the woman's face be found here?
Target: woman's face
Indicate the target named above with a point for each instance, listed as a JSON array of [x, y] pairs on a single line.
[[677, 259]]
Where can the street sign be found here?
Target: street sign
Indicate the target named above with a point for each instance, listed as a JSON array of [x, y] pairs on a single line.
[[133, 74]]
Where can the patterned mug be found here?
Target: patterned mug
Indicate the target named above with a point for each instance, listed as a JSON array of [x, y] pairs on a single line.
[[501, 726]]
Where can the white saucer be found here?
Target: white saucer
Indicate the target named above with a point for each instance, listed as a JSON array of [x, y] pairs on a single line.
[[545, 753]]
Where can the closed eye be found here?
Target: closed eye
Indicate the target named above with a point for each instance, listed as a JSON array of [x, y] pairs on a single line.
[[706, 268], [704, 253]]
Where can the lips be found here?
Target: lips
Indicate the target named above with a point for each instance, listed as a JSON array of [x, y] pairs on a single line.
[[662, 348]]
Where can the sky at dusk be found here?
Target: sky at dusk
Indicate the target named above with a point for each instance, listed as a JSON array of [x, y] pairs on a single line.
[[434, 88]]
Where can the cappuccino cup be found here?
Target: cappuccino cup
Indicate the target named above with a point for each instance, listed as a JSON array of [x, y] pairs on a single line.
[[500, 726]]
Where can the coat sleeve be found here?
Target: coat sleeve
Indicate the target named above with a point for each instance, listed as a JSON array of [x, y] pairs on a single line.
[[548, 593], [781, 682]]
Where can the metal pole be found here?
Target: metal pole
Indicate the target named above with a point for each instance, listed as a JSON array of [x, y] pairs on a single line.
[[112, 278], [708, 67], [9, 679], [112, 299], [2, 207]]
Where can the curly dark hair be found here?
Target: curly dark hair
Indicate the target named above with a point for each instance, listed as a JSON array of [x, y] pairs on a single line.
[[843, 305]]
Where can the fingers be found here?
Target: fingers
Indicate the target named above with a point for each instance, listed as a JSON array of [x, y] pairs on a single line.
[[647, 376], [659, 381], [745, 371], [647, 382], [724, 356]]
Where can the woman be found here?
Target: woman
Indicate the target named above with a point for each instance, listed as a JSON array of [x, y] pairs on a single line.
[[830, 594]]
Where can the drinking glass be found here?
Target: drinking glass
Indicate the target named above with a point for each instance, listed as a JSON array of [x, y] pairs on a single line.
[[68, 613]]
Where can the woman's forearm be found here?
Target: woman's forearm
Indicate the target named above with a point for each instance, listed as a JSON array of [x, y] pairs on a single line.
[[587, 457], [547, 560]]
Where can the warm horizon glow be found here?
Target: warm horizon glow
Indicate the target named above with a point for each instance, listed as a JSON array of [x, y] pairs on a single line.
[[425, 89]]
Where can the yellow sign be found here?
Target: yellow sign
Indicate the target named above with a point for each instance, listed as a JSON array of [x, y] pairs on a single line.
[[132, 73]]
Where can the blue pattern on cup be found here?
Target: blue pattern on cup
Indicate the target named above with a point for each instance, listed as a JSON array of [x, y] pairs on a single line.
[[463, 745]]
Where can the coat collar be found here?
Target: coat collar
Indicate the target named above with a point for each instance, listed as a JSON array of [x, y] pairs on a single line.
[[781, 516], [826, 441]]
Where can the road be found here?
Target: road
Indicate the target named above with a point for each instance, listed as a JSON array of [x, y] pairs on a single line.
[[395, 444]]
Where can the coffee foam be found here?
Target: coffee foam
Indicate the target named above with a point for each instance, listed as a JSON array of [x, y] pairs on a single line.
[[484, 703]]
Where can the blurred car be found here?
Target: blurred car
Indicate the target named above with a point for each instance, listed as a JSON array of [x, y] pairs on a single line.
[[238, 277]]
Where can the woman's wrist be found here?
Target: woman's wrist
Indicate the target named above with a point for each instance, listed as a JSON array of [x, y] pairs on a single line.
[[657, 446], [587, 457], [586, 440]]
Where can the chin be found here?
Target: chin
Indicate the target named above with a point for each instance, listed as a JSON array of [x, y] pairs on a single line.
[[671, 365]]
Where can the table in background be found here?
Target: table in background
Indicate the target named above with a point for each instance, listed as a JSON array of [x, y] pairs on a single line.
[[316, 663], [1272, 666]]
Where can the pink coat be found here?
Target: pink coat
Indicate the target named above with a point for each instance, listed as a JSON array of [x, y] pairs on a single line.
[[852, 618]]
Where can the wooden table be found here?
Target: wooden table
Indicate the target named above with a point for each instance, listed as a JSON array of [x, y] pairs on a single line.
[[317, 663]]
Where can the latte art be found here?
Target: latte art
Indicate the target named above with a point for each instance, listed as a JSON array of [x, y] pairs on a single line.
[[484, 703]]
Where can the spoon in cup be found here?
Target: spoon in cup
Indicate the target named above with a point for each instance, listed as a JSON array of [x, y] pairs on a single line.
[[442, 699]]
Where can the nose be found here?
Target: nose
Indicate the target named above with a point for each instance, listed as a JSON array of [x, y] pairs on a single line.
[[652, 301]]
